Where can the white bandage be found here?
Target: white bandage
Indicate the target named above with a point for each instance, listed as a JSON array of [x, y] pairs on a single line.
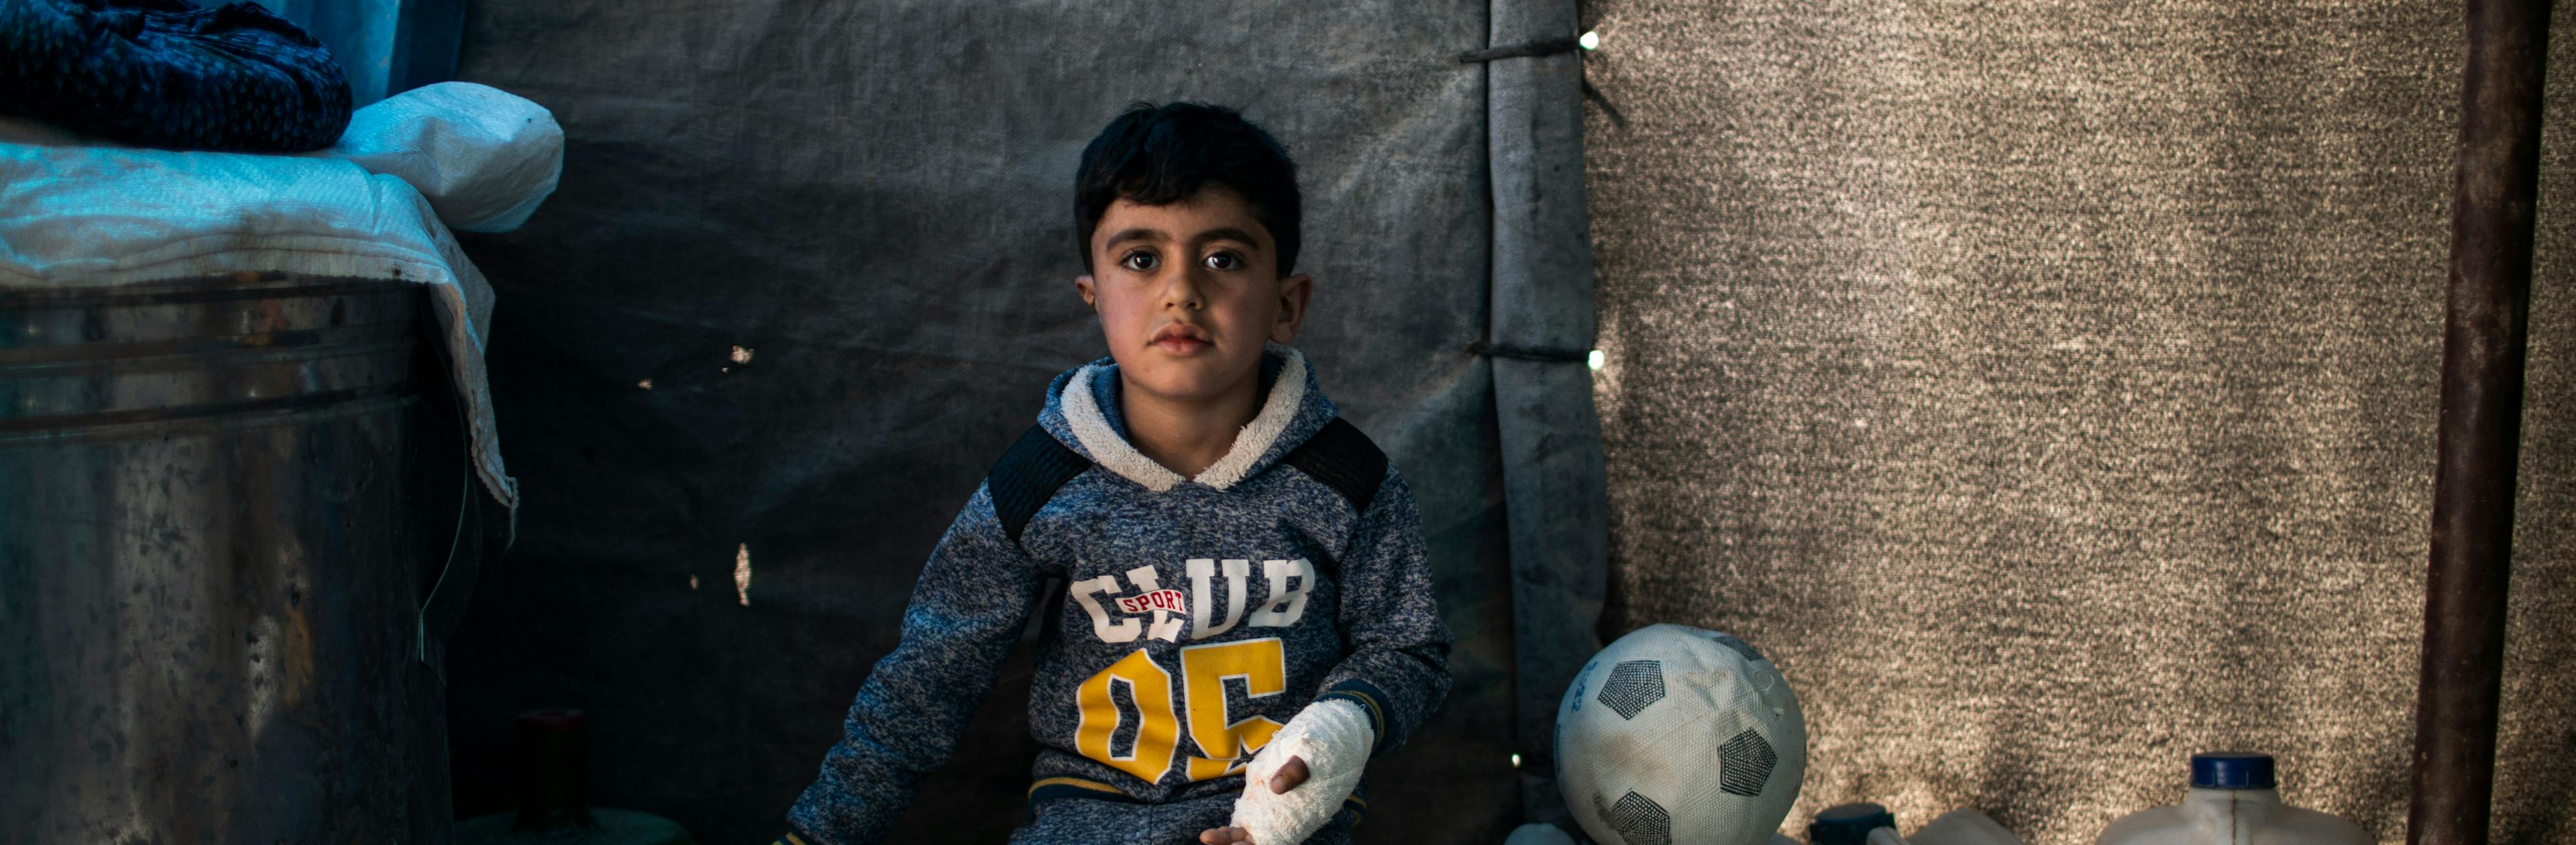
[[1333, 737]]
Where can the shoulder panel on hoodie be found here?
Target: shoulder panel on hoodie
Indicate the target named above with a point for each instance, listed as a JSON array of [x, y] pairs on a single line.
[[1344, 459]]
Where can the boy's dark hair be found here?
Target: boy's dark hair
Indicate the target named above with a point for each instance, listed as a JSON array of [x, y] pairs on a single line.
[[1160, 154]]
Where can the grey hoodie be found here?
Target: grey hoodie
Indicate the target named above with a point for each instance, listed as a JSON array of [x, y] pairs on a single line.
[[1195, 617]]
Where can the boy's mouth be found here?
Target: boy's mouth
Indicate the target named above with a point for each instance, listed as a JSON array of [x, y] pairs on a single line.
[[1179, 339]]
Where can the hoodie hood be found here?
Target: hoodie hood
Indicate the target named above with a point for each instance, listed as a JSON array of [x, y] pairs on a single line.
[[1082, 412]]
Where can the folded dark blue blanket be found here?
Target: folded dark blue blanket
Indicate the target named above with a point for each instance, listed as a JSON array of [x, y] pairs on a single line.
[[169, 74]]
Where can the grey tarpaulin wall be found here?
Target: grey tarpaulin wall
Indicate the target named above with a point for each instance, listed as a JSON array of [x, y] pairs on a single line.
[[2050, 387], [808, 274]]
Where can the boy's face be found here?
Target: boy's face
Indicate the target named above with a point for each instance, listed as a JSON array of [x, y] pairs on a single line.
[[1188, 291]]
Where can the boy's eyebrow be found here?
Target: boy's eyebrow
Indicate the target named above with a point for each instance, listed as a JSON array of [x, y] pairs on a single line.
[[1221, 233], [1228, 233], [1139, 233]]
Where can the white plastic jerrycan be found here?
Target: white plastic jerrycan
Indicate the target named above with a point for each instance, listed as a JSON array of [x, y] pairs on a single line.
[[2233, 801]]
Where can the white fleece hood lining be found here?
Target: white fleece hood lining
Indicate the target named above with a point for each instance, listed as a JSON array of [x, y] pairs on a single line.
[[1114, 453]]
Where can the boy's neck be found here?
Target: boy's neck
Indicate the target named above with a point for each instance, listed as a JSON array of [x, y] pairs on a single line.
[[1187, 437]]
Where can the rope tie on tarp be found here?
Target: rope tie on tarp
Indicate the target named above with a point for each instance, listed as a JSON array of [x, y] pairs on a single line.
[[1529, 353], [1543, 47], [1549, 47]]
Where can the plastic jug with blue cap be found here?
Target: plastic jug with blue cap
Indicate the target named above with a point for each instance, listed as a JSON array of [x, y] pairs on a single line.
[[2234, 800]]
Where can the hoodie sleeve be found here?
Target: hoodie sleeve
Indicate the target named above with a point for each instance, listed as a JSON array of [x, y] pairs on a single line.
[[1396, 666], [966, 613]]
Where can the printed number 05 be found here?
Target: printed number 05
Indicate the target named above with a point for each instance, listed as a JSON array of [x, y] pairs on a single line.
[[1204, 670]]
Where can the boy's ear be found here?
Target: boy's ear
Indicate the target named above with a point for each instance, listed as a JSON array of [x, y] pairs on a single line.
[[1089, 297], [1294, 291]]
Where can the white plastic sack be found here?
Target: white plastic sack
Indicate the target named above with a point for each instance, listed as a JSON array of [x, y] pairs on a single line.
[[485, 158]]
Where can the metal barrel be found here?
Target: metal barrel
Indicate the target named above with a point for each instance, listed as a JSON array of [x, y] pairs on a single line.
[[216, 520]]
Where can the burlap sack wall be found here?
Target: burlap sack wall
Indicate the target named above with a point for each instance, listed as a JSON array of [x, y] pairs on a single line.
[[2050, 387]]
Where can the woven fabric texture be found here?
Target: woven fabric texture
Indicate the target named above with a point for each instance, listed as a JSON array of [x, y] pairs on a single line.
[[2049, 388]]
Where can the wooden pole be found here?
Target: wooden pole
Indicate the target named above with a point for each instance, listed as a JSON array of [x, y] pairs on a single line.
[[2483, 342]]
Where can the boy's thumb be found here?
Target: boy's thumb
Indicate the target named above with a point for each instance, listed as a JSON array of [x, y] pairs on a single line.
[[1290, 774]]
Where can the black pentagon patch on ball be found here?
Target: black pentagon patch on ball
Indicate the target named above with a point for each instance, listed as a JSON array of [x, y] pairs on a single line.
[[1744, 764], [1639, 820], [1633, 684], [1738, 646]]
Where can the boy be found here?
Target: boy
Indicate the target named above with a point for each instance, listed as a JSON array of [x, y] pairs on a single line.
[[1199, 455]]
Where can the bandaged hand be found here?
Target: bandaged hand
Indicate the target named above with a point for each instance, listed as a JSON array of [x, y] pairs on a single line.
[[1332, 738]]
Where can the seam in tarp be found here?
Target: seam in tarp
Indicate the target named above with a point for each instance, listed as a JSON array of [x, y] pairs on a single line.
[[1540, 317]]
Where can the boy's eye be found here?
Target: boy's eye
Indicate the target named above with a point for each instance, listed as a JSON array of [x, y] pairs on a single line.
[[1223, 261], [1139, 261]]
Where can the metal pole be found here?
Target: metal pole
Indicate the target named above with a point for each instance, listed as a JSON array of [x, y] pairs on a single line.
[[2481, 423]]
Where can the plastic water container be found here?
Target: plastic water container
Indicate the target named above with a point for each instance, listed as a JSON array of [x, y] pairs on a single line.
[[2233, 801]]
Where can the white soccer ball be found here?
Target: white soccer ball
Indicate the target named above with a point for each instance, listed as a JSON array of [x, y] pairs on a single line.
[[1676, 735]]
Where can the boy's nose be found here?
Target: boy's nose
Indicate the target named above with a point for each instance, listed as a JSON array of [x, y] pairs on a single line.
[[1183, 291]]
